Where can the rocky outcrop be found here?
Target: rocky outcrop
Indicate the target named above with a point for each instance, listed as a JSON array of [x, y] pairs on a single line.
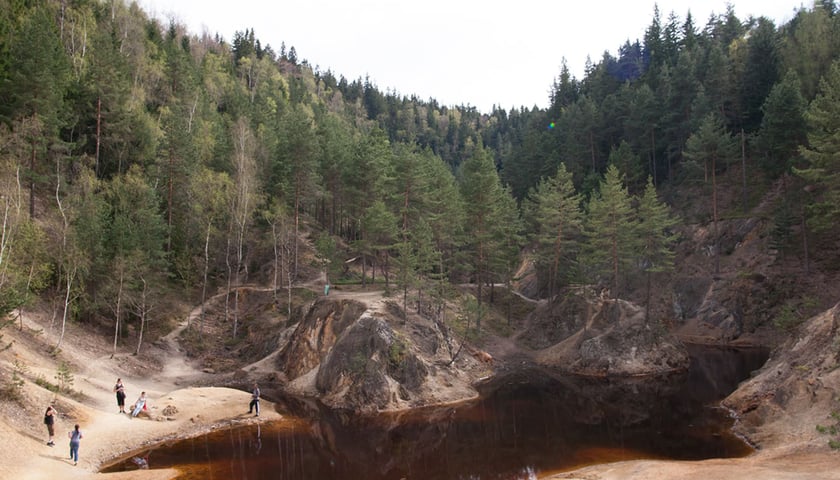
[[369, 365], [797, 387], [316, 335], [605, 337], [353, 356]]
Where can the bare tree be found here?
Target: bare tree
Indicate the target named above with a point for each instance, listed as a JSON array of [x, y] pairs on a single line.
[[283, 242], [244, 198], [143, 304], [210, 193]]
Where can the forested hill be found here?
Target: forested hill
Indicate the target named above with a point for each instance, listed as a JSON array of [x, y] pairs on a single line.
[[139, 160]]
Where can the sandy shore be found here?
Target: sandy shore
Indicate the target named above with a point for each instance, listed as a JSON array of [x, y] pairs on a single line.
[[179, 411], [175, 410], [107, 435]]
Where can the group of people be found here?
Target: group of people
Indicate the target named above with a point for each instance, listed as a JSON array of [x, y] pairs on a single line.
[[76, 436], [139, 405]]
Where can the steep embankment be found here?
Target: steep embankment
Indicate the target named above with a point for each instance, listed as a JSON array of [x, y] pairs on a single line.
[[778, 410], [780, 407]]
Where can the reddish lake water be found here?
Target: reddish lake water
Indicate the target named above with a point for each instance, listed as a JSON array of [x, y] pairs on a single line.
[[523, 429]]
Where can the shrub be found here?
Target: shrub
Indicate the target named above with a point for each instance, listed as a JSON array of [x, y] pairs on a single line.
[[64, 377], [832, 430], [12, 389]]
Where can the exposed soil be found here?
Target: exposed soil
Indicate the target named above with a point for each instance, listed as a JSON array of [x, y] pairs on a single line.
[[181, 407]]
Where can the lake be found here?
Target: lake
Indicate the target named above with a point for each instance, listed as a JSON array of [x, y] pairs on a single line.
[[525, 426]]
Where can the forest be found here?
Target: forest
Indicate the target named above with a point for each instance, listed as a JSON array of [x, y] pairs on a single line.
[[141, 162]]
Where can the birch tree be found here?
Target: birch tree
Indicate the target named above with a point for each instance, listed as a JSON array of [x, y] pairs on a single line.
[[244, 202], [211, 193]]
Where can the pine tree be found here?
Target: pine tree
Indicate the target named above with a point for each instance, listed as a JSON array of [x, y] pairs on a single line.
[[783, 127], [38, 78], [557, 220], [367, 177], [714, 148], [508, 241], [657, 237], [612, 231], [380, 229], [297, 165], [481, 191], [761, 72], [823, 151]]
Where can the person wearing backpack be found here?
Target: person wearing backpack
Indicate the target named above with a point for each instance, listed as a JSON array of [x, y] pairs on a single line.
[[75, 436]]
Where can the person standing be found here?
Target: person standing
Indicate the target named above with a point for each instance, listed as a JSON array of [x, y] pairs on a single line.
[[255, 400], [119, 389], [75, 436], [140, 404], [49, 421]]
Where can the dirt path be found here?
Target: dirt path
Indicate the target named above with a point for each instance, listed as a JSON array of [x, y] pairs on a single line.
[[195, 410], [107, 434]]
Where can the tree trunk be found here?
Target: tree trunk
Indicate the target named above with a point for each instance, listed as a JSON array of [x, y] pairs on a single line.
[[170, 193], [69, 276], [364, 271], [297, 227], [615, 266], [805, 241], [143, 310], [479, 281], [289, 293], [276, 260], [229, 276], [204, 281], [118, 312], [715, 216], [647, 300], [98, 132], [744, 168], [32, 182], [653, 156], [235, 312]]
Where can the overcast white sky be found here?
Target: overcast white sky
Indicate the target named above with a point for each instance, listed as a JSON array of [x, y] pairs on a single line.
[[460, 52]]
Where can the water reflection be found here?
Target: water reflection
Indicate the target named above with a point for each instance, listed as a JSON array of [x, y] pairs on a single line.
[[528, 426]]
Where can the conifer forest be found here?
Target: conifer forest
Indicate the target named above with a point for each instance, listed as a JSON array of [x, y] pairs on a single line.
[[141, 162]]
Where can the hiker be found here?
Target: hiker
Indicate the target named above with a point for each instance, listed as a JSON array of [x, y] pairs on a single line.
[[75, 438], [255, 400], [140, 404], [49, 421], [119, 389]]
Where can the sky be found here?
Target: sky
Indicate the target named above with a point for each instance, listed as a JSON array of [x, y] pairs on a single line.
[[459, 52]]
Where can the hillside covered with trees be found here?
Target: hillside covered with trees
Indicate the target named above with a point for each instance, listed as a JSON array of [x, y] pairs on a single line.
[[141, 163]]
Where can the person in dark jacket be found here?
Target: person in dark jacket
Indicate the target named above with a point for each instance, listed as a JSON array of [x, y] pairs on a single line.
[[119, 389], [49, 421], [255, 401]]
